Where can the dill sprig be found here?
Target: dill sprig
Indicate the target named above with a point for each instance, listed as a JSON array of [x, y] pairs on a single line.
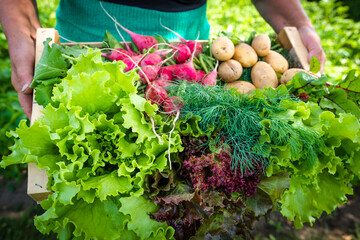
[[302, 141], [234, 120]]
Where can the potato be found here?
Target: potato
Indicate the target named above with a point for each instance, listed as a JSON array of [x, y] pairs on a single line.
[[262, 75], [222, 48], [289, 74], [230, 70], [277, 61], [261, 44], [241, 86], [245, 54]]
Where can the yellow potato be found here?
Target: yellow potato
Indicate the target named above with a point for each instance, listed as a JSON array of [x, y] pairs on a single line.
[[289, 74], [261, 44], [222, 48], [245, 54], [262, 75], [230, 70], [277, 61], [241, 86]]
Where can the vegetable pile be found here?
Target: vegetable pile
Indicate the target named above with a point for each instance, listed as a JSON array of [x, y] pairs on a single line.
[[146, 141]]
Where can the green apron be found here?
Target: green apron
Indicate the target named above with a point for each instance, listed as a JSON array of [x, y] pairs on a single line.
[[85, 21]]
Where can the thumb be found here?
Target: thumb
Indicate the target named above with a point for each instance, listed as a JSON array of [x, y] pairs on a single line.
[[26, 88]]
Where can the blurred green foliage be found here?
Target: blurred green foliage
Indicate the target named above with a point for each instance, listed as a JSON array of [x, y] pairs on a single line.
[[353, 6]]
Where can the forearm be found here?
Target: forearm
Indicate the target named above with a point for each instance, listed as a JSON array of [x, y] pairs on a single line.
[[281, 13], [19, 18]]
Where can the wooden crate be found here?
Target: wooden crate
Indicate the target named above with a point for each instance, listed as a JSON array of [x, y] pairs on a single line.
[[290, 39], [37, 178]]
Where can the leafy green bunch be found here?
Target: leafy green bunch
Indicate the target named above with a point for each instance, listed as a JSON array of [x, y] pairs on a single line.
[[97, 143]]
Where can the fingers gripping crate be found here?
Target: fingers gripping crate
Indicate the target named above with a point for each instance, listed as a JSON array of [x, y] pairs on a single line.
[[37, 178]]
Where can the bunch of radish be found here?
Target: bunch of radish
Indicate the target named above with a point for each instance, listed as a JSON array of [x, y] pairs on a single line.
[[154, 70]]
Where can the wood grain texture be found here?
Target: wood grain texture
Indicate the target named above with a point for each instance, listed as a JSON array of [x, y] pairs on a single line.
[[290, 39], [37, 178]]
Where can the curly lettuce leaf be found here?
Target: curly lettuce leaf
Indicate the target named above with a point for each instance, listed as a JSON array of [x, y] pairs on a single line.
[[73, 51], [97, 220], [87, 91], [275, 185], [309, 198], [325, 186], [95, 86], [43, 95], [30, 141], [138, 208], [108, 185], [91, 62], [135, 120]]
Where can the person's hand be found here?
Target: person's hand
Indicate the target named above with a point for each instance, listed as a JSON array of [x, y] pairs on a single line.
[[22, 55], [313, 43], [19, 21]]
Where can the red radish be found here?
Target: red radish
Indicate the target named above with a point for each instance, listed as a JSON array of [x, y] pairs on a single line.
[[210, 78], [166, 73], [191, 43], [142, 42], [172, 104], [151, 59], [194, 45], [199, 76], [155, 94], [161, 83], [154, 58], [182, 54], [163, 52], [132, 62], [150, 71], [118, 54], [186, 71], [131, 52]]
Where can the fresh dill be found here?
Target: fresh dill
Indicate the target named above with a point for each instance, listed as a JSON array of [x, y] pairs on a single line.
[[236, 121]]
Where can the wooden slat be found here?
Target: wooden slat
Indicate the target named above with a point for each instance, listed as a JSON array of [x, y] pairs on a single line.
[[92, 44], [290, 39], [37, 178]]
